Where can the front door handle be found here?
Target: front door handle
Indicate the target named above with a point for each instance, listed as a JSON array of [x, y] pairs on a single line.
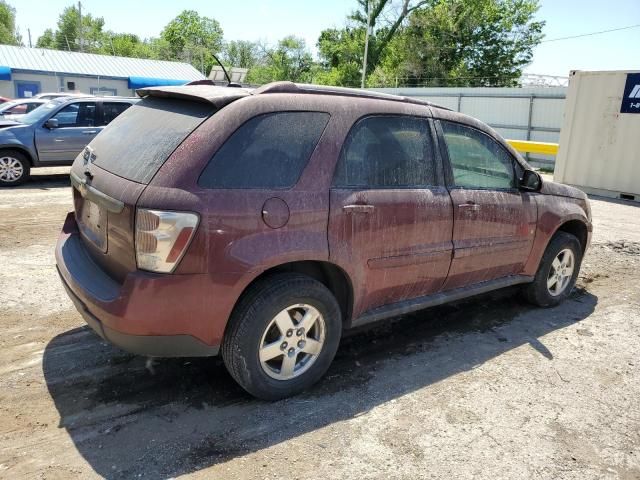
[[358, 208], [469, 206], [89, 132]]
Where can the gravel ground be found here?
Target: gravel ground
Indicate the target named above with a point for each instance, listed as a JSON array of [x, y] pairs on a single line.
[[486, 388]]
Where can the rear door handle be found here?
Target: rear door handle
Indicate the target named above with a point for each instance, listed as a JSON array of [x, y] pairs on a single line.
[[469, 206], [89, 132], [358, 208]]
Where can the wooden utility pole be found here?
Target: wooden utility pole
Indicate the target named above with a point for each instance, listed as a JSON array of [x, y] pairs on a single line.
[[366, 45], [29, 33], [80, 25]]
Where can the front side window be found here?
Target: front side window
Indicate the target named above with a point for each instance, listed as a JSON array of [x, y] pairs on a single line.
[[77, 115], [387, 152], [477, 160], [17, 110], [268, 151]]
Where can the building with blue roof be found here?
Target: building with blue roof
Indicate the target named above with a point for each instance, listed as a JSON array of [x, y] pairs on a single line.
[[25, 72]]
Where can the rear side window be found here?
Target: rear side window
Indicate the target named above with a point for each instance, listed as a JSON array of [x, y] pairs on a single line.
[[110, 110], [268, 151], [387, 152], [138, 142]]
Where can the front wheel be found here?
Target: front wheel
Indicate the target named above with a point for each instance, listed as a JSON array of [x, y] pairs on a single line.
[[558, 271], [282, 336], [14, 168]]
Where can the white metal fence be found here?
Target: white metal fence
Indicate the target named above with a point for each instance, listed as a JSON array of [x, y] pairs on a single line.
[[531, 113]]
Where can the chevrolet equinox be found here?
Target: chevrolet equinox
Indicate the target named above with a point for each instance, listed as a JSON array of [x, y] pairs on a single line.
[[260, 224]]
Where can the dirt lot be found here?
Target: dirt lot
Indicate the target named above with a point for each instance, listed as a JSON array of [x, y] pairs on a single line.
[[489, 388]]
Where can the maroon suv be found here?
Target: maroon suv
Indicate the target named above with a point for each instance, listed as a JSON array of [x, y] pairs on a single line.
[[261, 224]]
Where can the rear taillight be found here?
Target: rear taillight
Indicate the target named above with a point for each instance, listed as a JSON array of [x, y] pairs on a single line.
[[162, 238]]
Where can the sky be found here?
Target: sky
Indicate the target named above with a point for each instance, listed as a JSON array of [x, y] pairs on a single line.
[[270, 20]]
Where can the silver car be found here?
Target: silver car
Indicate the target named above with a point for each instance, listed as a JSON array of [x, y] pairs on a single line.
[[53, 134], [14, 109]]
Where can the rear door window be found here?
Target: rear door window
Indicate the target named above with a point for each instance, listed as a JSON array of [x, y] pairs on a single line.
[[139, 141], [268, 151], [387, 152]]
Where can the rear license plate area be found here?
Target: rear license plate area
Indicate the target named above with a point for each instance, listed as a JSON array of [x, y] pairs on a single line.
[[92, 222]]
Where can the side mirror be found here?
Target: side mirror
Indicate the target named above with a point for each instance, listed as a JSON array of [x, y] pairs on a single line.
[[531, 181], [51, 123]]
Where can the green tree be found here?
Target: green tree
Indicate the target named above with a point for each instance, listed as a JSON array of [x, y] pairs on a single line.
[[433, 42], [289, 60], [9, 34], [47, 39], [241, 54], [158, 49], [341, 52], [193, 38], [471, 43], [120, 44], [385, 18], [67, 35]]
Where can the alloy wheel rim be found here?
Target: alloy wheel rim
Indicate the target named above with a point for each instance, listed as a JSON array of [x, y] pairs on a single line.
[[561, 272], [292, 342], [11, 169]]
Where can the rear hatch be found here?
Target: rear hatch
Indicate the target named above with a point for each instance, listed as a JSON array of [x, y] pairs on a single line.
[[111, 173]]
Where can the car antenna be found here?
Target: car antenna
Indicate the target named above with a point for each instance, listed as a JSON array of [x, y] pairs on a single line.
[[226, 74]]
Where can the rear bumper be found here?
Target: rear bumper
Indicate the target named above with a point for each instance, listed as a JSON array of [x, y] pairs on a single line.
[[149, 345], [153, 315]]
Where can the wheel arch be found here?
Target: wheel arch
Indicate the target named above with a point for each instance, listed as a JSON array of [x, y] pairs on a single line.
[[329, 274], [19, 148], [577, 228]]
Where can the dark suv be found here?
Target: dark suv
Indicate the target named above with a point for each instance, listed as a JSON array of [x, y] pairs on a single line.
[[263, 223]]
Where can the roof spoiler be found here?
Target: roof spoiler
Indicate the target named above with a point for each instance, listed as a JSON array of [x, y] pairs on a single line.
[[216, 96]]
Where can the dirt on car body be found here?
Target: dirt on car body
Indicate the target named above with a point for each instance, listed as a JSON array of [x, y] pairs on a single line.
[[487, 388]]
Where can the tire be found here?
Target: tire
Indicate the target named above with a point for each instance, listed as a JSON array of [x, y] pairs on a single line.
[[539, 292], [257, 322], [14, 168]]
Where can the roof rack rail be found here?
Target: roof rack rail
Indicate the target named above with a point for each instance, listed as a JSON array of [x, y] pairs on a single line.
[[290, 87]]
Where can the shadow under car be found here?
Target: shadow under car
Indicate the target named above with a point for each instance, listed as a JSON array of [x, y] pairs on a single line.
[[132, 417]]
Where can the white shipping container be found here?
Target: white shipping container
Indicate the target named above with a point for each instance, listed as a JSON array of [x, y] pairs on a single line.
[[600, 136]]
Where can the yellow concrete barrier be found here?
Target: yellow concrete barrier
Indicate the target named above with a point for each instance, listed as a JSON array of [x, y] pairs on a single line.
[[525, 146]]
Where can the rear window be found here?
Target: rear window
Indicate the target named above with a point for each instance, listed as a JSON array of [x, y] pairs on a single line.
[[268, 151], [138, 142]]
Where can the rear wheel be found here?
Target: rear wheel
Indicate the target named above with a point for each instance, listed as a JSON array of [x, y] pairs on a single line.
[[14, 168], [558, 271], [282, 336]]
